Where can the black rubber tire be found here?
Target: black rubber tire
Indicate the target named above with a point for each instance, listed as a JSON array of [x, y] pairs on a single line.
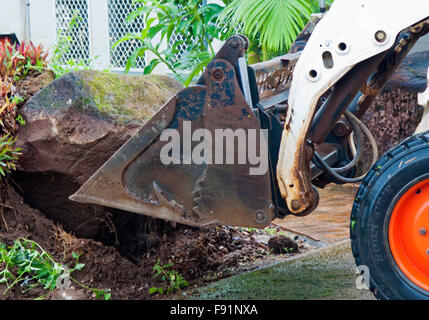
[[396, 172]]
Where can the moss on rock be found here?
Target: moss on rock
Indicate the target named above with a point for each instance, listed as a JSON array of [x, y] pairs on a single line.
[[137, 97], [117, 98]]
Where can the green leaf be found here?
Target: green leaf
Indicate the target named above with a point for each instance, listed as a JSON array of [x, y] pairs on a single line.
[[151, 66], [153, 31], [79, 266], [137, 13], [125, 38], [132, 60], [153, 290]]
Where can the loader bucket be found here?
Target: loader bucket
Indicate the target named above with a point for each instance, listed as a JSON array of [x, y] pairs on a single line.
[[176, 168]]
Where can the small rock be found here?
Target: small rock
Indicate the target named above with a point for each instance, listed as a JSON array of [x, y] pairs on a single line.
[[282, 245]]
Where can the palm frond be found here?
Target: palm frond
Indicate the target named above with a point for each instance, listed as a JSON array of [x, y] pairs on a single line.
[[275, 22]]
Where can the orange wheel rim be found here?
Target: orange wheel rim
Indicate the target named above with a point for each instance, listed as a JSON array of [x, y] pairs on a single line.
[[409, 234]]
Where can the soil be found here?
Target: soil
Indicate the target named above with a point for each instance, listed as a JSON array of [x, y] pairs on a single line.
[[200, 255], [280, 244], [33, 83]]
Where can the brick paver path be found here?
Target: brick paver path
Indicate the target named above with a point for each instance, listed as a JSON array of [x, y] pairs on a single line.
[[330, 221]]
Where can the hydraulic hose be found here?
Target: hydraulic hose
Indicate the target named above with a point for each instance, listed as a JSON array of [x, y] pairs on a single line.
[[319, 159], [358, 153]]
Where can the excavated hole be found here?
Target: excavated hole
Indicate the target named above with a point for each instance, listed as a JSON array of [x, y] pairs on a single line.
[[131, 234]]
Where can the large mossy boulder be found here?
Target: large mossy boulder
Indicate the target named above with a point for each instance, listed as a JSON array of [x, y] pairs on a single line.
[[72, 127]]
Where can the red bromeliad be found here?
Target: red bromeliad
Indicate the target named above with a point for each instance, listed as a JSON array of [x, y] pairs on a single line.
[[15, 58]]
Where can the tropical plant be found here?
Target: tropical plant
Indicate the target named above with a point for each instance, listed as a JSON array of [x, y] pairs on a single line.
[[10, 60], [273, 24], [8, 110], [315, 4], [189, 29], [17, 61], [5, 86], [36, 55]]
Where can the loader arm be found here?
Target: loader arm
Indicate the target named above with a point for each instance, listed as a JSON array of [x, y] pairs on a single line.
[[352, 32]]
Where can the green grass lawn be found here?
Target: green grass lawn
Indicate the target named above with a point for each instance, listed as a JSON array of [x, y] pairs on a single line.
[[322, 274]]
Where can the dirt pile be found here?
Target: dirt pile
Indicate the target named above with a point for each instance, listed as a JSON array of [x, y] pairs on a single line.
[[393, 117], [33, 83], [199, 255], [395, 113], [18, 220]]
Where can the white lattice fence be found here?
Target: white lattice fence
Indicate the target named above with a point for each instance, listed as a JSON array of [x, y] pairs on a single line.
[[99, 25], [119, 27], [73, 21]]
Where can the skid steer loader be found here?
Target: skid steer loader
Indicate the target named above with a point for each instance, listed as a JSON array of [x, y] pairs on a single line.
[[247, 144]]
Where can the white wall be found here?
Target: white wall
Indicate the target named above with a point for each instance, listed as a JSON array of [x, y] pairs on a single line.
[[99, 30], [42, 22], [12, 13], [13, 18]]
